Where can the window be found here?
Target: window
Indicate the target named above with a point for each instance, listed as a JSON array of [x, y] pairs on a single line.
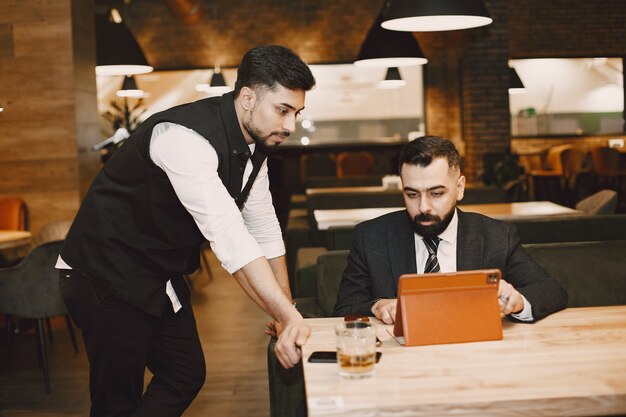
[[581, 96]]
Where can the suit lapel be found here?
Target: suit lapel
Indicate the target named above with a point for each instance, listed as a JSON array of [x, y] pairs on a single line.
[[469, 247], [401, 243]]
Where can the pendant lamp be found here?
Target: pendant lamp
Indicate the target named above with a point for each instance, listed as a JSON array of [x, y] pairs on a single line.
[[393, 79], [435, 15], [387, 48], [217, 85], [129, 88], [515, 83], [117, 51]]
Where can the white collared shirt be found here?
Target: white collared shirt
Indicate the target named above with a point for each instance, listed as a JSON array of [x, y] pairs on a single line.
[[237, 238], [446, 255]]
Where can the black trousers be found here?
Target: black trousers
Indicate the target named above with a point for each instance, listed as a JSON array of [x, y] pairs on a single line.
[[121, 341]]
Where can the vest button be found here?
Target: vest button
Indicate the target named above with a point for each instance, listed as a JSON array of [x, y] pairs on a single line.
[[241, 169], [247, 153], [234, 151]]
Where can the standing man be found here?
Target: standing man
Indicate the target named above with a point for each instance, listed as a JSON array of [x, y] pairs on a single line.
[[433, 235], [193, 172]]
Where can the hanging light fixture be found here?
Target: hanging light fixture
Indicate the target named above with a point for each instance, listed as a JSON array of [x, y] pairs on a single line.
[[435, 15], [393, 79], [387, 48], [129, 88], [117, 51], [515, 83], [217, 86]]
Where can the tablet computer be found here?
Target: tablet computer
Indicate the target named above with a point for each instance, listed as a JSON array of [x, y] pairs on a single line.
[[448, 307]]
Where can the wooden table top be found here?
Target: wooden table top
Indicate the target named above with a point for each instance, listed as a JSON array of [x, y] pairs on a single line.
[[13, 238], [502, 211], [348, 190], [571, 363], [507, 211]]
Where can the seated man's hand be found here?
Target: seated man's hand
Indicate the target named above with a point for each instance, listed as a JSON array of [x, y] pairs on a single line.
[[291, 337], [385, 310], [509, 299]]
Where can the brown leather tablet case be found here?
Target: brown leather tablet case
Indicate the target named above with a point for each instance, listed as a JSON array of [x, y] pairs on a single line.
[[448, 307]]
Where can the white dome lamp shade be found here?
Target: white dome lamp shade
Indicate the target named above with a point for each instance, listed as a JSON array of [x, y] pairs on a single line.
[[435, 15]]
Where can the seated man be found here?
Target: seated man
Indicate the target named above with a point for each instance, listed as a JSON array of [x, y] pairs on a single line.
[[433, 235]]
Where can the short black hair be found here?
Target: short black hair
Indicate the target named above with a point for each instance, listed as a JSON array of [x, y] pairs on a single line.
[[423, 150], [268, 65]]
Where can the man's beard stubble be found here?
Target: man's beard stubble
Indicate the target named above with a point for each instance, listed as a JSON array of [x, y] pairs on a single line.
[[434, 229], [262, 141]]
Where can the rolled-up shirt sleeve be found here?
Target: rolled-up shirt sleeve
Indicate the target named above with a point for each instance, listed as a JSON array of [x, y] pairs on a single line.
[[190, 163], [260, 218]]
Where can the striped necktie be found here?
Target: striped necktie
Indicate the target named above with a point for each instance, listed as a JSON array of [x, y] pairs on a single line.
[[432, 264]]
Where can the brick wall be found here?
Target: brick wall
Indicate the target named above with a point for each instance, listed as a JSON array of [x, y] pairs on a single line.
[[566, 28], [320, 30], [466, 95]]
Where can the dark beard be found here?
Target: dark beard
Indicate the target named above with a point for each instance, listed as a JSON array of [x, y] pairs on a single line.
[[434, 229], [261, 141]]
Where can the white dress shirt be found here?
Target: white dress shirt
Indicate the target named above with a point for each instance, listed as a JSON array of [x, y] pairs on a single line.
[[237, 238], [446, 255]]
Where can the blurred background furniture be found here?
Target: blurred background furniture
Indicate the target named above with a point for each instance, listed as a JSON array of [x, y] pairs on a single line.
[[317, 165], [547, 183], [13, 214], [577, 175], [602, 202], [31, 290], [354, 163]]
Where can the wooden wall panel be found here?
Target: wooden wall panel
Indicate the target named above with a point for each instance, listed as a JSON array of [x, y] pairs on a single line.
[[49, 93]]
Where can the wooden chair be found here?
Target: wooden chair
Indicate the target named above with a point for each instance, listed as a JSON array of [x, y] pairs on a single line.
[[548, 182], [355, 163], [605, 162], [13, 214], [31, 290]]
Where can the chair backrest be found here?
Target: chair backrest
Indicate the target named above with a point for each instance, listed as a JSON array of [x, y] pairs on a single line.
[[51, 231], [602, 202], [593, 273], [317, 165], [354, 163], [605, 160], [571, 228], [572, 161], [31, 288], [13, 214], [330, 266], [553, 158]]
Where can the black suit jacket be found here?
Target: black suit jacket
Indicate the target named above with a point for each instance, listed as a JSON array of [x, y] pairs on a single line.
[[384, 248]]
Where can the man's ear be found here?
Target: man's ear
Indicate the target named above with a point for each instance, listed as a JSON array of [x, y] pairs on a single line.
[[247, 98], [460, 188]]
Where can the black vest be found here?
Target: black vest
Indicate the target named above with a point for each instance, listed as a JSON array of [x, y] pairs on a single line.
[[132, 234]]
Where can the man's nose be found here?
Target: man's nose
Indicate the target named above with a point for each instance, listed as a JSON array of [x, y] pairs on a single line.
[[289, 123], [424, 205]]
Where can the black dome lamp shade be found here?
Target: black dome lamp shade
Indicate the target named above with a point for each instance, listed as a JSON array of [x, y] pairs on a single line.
[[515, 83], [117, 51], [217, 84], [393, 79], [435, 15], [387, 48], [129, 88]]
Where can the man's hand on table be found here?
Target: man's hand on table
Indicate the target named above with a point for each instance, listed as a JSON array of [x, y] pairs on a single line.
[[291, 336], [385, 310], [510, 300]]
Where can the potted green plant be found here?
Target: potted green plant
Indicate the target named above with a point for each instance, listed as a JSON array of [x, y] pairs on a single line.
[[121, 114]]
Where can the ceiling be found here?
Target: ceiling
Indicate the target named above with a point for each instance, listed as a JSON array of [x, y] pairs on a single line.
[[221, 31]]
